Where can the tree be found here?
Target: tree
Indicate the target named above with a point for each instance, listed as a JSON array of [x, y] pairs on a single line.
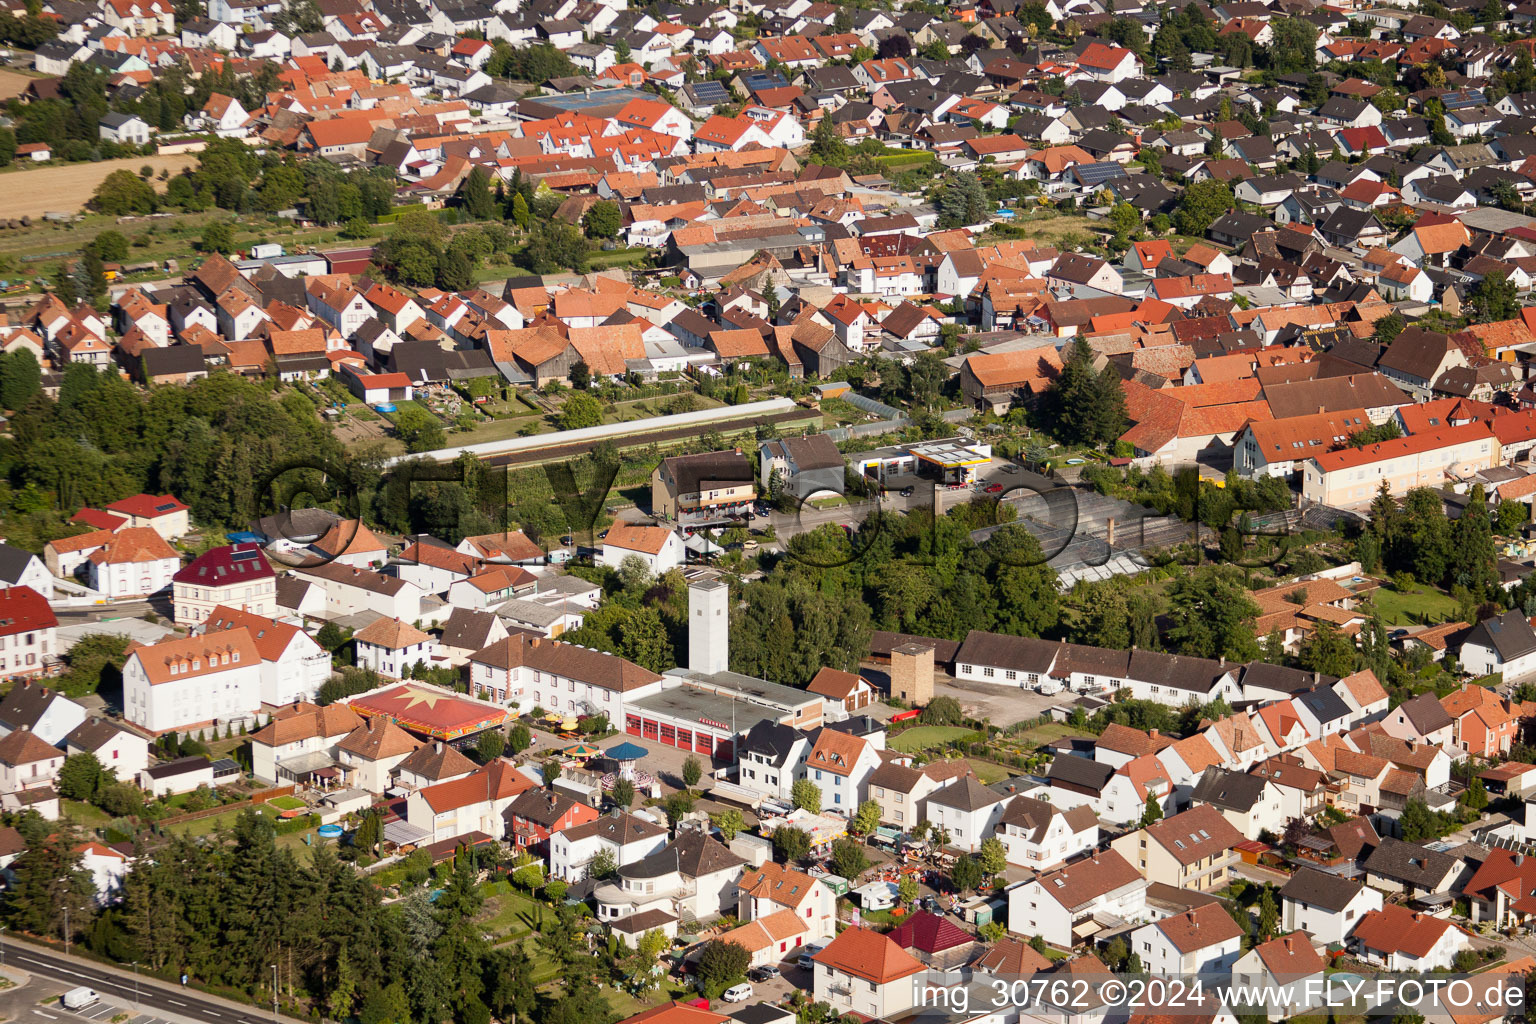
[[602, 865], [993, 856], [1418, 822], [552, 770], [1476, 796], [868, 817], [1212, 616], [677, 807], [963, 201], [623, 794], [1269, 915], [1388, 327], [1152, 812], [806, 795], [943, 711], [580, 410], [906, 890], [491, 745], [1201, 204], [419, 429], [693, 771], [848, 858], [602, 220], [81, 776], [123, 192], [455, 271], [111, 246], [966, 874], [1494, 298], [519, 738], [827, 145], [1086, 405], [721, 965], [520, 214], [475, 195], [793, 844], [729, 822], [218, 236], [580, 375], [1328, 651], [21, 378]]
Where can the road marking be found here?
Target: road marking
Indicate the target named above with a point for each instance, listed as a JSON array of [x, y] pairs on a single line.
[[176, 1002], [40, 1013], [210, 1013]]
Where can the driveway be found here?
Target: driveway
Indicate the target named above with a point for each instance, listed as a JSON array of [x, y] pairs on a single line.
[[1000, 705]]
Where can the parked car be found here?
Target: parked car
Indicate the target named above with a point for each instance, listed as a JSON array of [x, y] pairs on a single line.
[[906, 492], [737, 993], [767, 972], [994, 488]]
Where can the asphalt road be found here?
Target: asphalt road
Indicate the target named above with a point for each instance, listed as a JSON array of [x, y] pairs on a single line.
[[153, 995]]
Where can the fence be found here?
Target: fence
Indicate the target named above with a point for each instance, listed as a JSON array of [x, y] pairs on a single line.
[[271, 794]]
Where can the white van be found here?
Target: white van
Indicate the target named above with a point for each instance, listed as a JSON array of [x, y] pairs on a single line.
[[737, 993], [79, 998], [1048, 687]]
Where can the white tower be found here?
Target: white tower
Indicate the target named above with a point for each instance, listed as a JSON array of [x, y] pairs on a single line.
[[709, 626]]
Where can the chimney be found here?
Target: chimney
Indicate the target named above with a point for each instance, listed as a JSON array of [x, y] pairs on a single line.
[[534, 641]]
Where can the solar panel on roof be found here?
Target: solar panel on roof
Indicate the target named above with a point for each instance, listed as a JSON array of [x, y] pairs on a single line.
[[242, 556], [168, 506], [711, 92], [1095, 174]]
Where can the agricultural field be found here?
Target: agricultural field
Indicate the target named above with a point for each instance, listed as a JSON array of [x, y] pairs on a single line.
[[67, 187]]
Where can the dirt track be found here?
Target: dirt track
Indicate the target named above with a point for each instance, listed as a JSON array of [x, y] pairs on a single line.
[[37, 190]]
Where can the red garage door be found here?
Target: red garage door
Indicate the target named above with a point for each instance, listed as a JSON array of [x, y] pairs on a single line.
[[648, 729], [685, 738], [723, 750], [669, 735], [703, 742], [632, 724]]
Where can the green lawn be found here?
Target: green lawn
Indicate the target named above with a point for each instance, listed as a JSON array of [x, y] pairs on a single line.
[[1418, 605], [990, 773], [214, 822], [1040, 735], [925, 736], [85, 814], [286, 803], [510, 916]]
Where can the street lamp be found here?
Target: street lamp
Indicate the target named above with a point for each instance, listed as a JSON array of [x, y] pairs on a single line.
[[136, 985], [274, 994]]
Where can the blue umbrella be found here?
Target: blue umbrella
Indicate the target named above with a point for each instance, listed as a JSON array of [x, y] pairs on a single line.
[[627, 752]]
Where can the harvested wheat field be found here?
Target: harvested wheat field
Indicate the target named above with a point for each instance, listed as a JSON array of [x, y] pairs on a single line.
[[66, 188], [13, 83]]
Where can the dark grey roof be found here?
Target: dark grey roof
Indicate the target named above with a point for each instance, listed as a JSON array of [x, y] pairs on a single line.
[[1325, 704], [966, 794], [1320, 889], [182, 766], [1510, 635], [468, 629], [1227, 790], [691, 854], [13, 563], [25, 705], [173, 359], [1079, 771], [1405, 862], [773, 740], [1282, 679], [998, 650], [1426, 713]]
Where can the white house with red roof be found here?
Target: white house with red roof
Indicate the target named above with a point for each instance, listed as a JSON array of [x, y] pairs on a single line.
[[865, 972], [237, 575], [107, 867], [396, 309], [771, 888], [473, 803], [656, 116], [224, 116], [164, 513], [135, 562], [293, 665], [28, 632], [729, 134], [1204, 940], [1102, 62], [392, 648], [1400, 939], [27, 763], [1287, 965], [193, 682], [1053, 906], [657, 546]]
